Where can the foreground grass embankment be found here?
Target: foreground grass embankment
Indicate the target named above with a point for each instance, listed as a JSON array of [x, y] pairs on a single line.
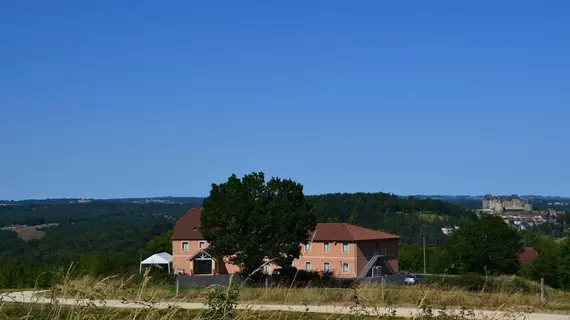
[[58, 312], [141, 299], [503, 294]]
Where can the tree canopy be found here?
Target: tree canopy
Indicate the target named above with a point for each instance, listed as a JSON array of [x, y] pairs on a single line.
[[411, 218], [160, 243], [99, 238], [486, 245], [250, 220]]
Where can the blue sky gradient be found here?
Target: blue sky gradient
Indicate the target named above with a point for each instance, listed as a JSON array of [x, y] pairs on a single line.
[[106, 99]]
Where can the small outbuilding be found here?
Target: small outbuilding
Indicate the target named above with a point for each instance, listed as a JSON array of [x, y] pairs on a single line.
[[163, 258]]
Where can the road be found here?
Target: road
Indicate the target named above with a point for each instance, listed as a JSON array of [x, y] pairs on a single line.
[[32, 297]]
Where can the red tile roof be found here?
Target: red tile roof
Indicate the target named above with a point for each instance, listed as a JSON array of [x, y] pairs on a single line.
[[188, 228], [527, 255], [348, 232]]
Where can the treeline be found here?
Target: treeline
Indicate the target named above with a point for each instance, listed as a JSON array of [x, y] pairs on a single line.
[[35, 214], [552, 262], [410, 217], [489, 246], [18, 272]]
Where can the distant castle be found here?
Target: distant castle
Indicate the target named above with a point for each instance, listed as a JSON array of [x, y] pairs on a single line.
[[499, 204]]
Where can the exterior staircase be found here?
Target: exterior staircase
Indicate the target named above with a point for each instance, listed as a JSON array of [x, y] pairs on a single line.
[[371, 263]]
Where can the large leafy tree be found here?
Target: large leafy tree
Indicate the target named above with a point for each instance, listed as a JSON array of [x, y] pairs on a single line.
[[249, 220], [486, 245]]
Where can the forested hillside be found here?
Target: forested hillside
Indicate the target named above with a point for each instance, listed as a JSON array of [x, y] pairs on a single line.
[[411, 218], [40, 213], [101, 237]]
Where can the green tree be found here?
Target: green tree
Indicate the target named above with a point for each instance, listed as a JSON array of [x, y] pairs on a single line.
[[160, 243], [352, 219], [486, 245], [548, 260], [249, 220], [410, 257], [564, 265]]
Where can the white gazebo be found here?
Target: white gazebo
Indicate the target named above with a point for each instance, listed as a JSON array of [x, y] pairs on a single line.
[[158, 258]]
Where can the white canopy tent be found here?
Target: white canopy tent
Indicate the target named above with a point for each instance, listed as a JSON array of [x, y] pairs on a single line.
[[158, 258]]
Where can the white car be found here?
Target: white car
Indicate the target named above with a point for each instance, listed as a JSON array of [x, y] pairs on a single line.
[[411, 279]]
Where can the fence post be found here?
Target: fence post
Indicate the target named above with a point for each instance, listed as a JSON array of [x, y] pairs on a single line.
[[382, 282], [177, 284], [542, 290]]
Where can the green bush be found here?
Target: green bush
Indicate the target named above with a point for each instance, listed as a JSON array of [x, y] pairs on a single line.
[[476, 282]]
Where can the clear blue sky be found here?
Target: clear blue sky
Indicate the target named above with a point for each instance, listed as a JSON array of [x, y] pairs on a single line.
[[152, 98]]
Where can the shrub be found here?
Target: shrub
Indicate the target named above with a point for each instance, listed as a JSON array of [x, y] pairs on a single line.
[[222, 301], [477, 282]]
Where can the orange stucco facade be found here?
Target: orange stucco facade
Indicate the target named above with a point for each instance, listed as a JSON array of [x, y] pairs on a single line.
[[342, 263], [343, 259], [182, 253]]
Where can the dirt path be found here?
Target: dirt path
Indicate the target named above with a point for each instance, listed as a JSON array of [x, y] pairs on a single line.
[[32, 297]]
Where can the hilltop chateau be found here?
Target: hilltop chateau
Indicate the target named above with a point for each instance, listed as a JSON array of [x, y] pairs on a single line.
[[499, 204]]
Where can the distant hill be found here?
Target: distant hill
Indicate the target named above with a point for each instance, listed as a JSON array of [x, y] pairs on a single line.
[[166, 200], [412, 218]]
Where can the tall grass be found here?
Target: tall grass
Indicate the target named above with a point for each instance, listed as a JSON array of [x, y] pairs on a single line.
[[145, 300], [504, 292]]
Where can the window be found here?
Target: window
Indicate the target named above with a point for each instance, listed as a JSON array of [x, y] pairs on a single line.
[[345, 267], [184, 246], [326, 247], [308, 247], [344, 247], [202, 244], [308, 266], [327, 267]]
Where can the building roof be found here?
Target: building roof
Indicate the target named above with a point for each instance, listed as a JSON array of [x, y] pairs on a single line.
[[201, 255], [188, 228], [158, 258], [527, 255], [348, 232]]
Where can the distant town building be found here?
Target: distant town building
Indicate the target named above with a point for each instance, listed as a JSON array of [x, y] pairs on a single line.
[[498, 204]]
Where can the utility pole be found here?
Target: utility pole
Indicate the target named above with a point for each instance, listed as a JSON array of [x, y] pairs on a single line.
[[425, 255]]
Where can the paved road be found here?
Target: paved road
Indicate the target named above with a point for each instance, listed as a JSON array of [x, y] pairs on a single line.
[[31, 297]]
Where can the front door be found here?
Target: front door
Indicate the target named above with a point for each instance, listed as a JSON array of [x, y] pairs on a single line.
[[202, 266]]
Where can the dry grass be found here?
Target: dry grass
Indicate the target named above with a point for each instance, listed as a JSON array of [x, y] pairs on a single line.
[[55, 312], [222, 303], [434, 295]]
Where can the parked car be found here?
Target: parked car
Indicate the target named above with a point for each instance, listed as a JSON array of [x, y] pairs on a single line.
[[411, 279]]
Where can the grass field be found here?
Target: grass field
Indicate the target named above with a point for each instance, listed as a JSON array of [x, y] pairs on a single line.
[[361, 302], [432, 295], [32, 232], [58, 312]]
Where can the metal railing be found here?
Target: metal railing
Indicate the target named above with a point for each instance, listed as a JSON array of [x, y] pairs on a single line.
[[377, 254]]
